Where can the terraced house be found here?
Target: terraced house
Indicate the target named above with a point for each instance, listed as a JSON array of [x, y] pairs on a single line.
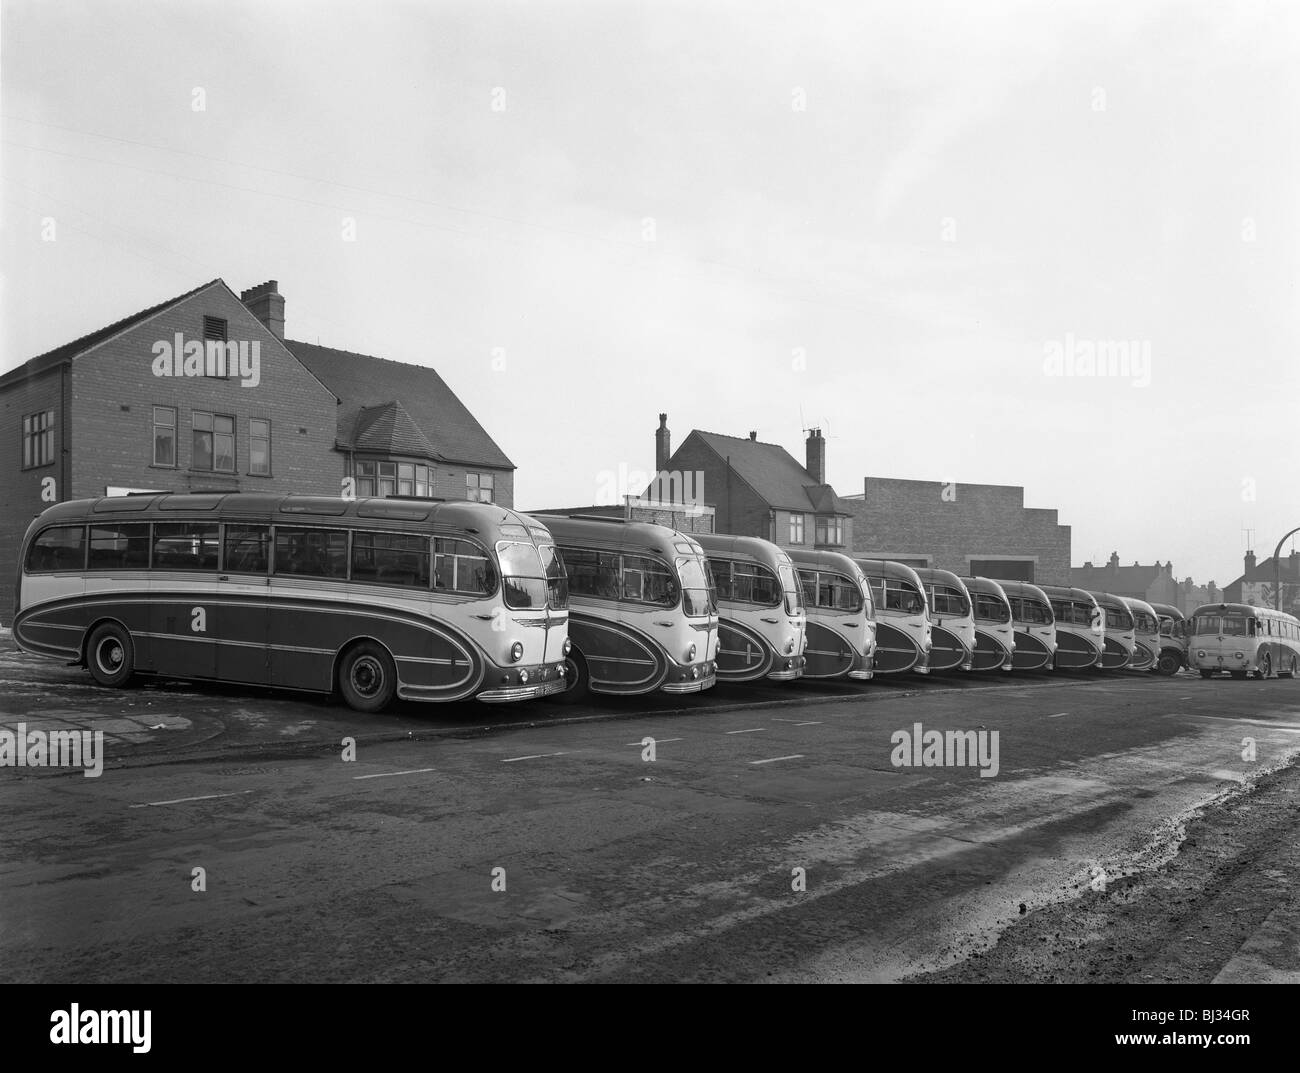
[[204, 392]]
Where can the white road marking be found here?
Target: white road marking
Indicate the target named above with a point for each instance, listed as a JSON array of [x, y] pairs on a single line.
[[658, 741], [183, 800], [753, 730], [1058, 715], [390, 774], [777, 720], [774, 759], [810, 723], [535, 756]]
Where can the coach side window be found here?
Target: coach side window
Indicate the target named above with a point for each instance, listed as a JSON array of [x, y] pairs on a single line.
[[248, 548], [462, 566], [311, 552], [754, 584], [592, 573], [185, 546], [119, 547], [391, 559], [838, 592], [648, 581], [808, 579], [60, 548]]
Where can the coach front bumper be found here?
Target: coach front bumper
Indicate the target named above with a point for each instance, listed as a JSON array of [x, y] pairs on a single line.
[[524, 683], [693, 679]]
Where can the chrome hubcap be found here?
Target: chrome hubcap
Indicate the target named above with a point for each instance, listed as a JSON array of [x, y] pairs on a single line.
[[367, 676], [110, 656]]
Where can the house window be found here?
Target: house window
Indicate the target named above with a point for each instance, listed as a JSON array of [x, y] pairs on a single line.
[[828, 531], [796, 528], [385, 479], [214, 442], [479, 487], [259, 447], [164, 436], [38, 439]]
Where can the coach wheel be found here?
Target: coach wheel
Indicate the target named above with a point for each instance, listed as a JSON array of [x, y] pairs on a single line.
[[110, 655], [1206, 674], [1294, 672], [575, 673], [1237, 674], [1265, 668], [1168, 664], [367, 677]]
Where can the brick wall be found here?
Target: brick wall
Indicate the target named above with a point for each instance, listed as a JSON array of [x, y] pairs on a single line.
[[913, 519], [114, 390], [449, 482], [20, 489]]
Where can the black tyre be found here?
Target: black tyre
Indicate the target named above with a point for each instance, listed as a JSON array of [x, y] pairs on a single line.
[[1265, 668], [1238, 674], [110, 655], [1294, 672], [367, 677], [575, 673], [1206, 674], [1168, 664]]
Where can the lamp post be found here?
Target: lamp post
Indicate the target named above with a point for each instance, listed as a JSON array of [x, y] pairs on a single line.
[[1277, 570]]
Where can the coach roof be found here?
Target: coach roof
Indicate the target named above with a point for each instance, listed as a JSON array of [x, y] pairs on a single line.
[[279, 509]]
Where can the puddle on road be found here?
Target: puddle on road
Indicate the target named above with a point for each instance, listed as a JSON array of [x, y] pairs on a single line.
[[1146, 837]]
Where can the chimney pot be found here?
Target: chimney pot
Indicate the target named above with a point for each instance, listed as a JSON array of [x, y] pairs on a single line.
[[816, 456], [267, 304], [754, 436], [663, 444]]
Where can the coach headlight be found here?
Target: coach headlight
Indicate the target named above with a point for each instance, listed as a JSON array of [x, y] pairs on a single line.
[[1200, 654], [568, 645], [1239, 655], [517, 651], [523, 676], [789, 646], [690, 654]]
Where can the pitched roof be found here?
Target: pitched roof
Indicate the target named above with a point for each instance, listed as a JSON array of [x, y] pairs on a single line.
[[68, 351], [429, 415], [1264, 570], [773, 473], [390, 428]]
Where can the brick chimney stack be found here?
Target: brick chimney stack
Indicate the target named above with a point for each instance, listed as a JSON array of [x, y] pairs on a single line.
[[266, 303], [816, 456], [1250, 561], [663, 444]]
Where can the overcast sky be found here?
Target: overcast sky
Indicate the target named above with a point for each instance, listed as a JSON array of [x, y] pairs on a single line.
[[886, 220]]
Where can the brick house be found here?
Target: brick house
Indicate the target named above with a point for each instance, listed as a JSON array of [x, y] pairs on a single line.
[[1258, 583], [755, 488], [203, 392]]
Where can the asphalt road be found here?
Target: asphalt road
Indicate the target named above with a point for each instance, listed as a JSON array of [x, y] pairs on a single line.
[[619, 868]]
